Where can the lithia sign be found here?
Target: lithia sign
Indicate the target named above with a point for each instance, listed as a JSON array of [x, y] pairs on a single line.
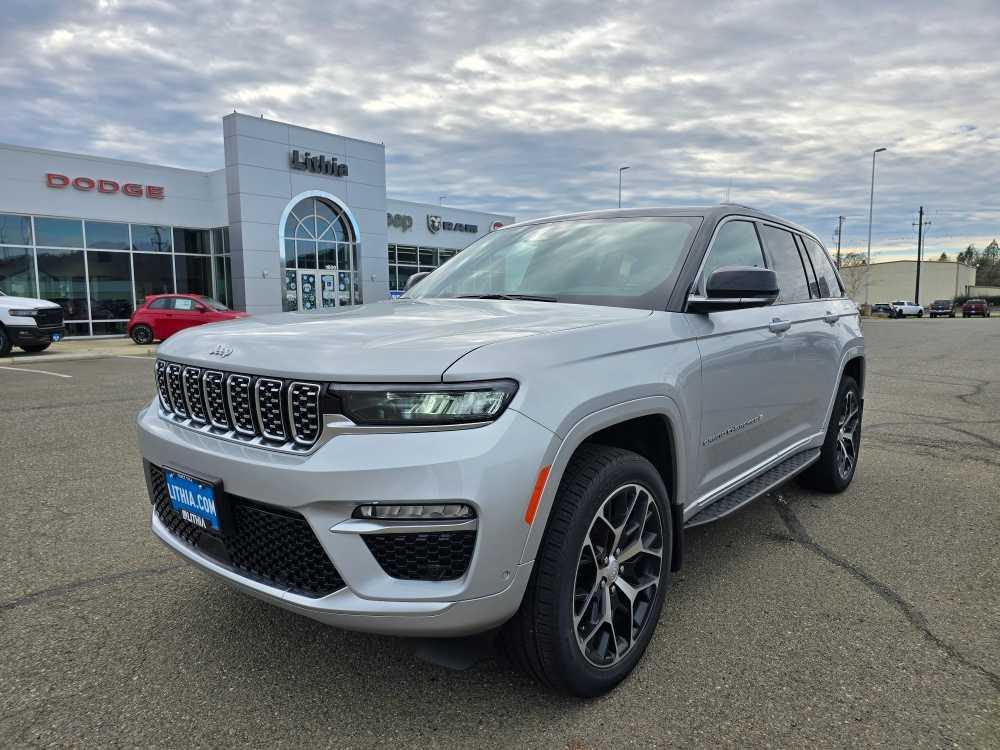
[[318, 164]]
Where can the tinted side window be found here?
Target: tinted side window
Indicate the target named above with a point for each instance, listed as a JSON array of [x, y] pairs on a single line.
[[160, 304], [825, 275], [736, 244], [781, 249]]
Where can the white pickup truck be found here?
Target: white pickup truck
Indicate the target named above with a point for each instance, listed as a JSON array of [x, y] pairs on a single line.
[[31, 324], [902, 308]]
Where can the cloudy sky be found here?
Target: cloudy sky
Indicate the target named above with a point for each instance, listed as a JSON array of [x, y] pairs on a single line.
[[530, 107]]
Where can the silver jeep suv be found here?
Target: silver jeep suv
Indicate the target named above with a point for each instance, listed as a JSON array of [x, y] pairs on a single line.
[[521, 440]]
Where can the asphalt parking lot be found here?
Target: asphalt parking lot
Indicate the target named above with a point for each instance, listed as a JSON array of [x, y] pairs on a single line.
[[869, 618]]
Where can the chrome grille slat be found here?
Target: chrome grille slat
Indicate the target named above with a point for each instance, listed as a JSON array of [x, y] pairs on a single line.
[[161, 385], [238, 392], [267, 398], [176, 389], [192, 394], [213, 383], [303, 412]]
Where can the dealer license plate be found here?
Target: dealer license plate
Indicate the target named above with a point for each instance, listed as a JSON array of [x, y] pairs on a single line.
[[193, 499]]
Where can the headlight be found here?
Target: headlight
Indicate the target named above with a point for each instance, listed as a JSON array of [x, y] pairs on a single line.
[[24, 313], [439, 404]]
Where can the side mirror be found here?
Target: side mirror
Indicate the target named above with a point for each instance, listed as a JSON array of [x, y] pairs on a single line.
[[202, 309], [735, 288], [415, 279]]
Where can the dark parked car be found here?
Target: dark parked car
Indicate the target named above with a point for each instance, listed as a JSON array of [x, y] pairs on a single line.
[[882, 307], [976, 307], [942, 307]]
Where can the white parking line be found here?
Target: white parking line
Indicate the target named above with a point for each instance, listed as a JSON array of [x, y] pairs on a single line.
[[133, 356], [40, 372]]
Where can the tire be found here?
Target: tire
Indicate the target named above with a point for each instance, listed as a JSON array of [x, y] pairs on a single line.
[[141, 334], [561, 635], [920, 313], [831, 473], [35, 348], [5, 344]]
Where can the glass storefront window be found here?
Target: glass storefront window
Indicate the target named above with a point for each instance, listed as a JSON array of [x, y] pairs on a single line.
[[194, 274], [110, 277], [405, 261], [58, 232], [104, 235], [15, 230], [327, 255], [191, 241], [428, 258], [110, 328], [148, 238], [220, 240], [223, 286], [154, 274], [62, 279], [406, 254], [306, 252], [17, 271]]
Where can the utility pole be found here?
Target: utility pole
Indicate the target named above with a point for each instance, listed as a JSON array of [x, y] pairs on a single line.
[[620, 170], [920, 224], [840, 235], [871, 209]]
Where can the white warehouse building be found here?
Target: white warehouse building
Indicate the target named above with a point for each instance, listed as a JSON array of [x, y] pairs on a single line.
[[897, 280], [297, 219]]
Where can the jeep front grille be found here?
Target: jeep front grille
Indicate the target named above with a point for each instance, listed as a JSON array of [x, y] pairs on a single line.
[[266, 412]]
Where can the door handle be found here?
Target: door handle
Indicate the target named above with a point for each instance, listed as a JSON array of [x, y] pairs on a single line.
[[831, 317], [777, 325]]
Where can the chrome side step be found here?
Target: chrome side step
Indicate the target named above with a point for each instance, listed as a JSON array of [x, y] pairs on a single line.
[[745, 493]]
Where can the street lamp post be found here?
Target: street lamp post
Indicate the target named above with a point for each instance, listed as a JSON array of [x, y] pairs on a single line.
[[871, 208], [620, 170]]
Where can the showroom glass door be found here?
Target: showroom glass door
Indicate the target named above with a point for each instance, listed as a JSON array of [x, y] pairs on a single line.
[[318, 290]]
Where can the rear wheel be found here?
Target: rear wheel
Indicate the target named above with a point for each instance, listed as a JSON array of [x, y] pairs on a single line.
[[33, 348], [142, 334], [600, 576], [838, 459]]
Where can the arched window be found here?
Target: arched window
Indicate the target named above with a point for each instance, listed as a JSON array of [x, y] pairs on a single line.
[[318, 236]]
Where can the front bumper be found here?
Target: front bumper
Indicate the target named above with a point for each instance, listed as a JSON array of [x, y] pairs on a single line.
[[35, 334], [491, 468]]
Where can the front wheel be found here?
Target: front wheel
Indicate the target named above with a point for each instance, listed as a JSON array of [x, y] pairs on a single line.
[[600, 576], [142, 334], [838, 459], [5, 344], [920, 313]]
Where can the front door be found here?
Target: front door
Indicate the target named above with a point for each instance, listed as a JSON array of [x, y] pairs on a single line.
[[749, 377], [307, 291]]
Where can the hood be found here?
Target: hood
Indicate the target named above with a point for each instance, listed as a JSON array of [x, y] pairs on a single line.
[[404, 341], [25, 302]]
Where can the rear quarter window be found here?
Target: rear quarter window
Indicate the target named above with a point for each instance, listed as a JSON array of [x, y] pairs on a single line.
[[826, 277]]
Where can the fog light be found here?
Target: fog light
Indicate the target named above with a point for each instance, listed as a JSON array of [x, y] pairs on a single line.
[[456, 511]]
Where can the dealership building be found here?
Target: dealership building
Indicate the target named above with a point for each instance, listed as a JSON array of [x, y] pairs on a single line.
[[297, 219]]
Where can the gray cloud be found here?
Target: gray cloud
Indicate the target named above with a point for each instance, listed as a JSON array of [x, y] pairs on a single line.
[[530, 108]]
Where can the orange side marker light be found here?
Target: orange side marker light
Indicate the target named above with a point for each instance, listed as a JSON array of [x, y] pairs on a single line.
[[536, 494]]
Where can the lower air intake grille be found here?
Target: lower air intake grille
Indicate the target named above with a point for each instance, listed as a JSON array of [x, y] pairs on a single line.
[[272, 545], [438, 556]]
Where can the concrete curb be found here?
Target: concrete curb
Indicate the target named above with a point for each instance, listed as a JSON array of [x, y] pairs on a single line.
[[35, 361]]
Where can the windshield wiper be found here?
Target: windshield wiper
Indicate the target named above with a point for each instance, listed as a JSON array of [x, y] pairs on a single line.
[[528, 297]]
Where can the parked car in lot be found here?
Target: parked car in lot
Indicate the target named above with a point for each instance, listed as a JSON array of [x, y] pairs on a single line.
[[904, 308], [521, 440], [941, 308], [28, 323], [974, 307], [882, 308], [162, 315]]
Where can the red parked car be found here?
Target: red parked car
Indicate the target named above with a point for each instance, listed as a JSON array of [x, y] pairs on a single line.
[[976, 307], [162, 315]]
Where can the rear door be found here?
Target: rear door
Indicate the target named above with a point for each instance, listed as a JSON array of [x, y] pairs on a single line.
[[811, 343], [749, 379]]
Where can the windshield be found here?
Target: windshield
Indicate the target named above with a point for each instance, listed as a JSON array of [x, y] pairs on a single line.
[[214, 304], [630, 262]]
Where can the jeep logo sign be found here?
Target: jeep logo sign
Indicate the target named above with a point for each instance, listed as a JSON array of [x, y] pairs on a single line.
[[327, 165], [400, 221]]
